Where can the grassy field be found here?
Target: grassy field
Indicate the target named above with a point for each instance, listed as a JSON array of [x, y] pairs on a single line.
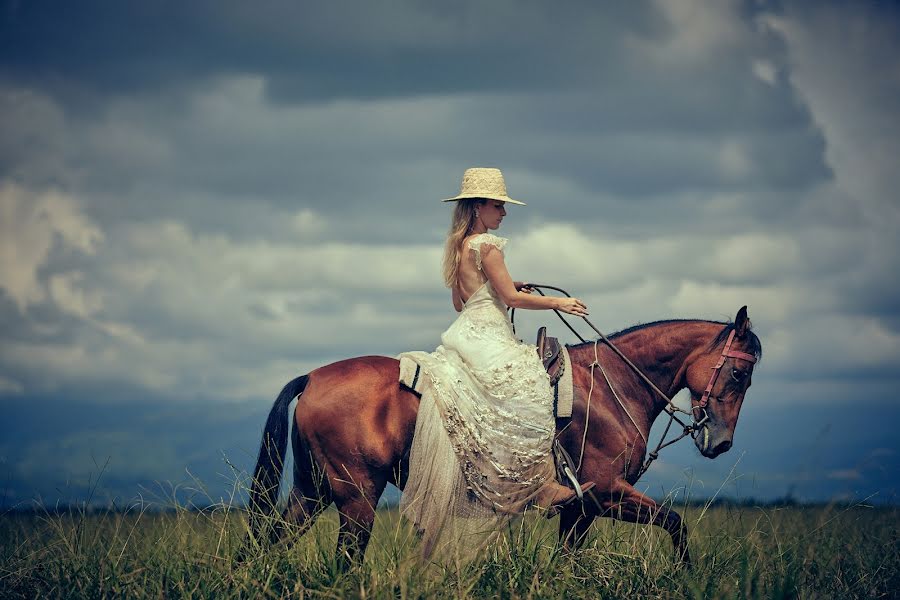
[[825, 552]]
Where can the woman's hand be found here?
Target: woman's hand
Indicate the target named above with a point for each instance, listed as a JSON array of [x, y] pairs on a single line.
[[523, 286], [573, 306]]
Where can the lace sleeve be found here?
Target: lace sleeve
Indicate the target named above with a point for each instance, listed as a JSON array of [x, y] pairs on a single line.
[[485, 238]]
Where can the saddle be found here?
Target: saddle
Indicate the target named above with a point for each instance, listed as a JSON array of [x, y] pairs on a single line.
[[548, 350]]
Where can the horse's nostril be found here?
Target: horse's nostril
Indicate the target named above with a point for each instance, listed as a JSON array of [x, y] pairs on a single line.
[[723, 447]]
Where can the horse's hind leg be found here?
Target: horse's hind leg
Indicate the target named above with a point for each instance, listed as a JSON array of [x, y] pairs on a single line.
[[299, 515], [356, 506], [357, 518], [309, 496]]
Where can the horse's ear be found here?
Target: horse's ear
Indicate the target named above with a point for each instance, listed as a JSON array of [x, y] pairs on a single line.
[[741, 322]]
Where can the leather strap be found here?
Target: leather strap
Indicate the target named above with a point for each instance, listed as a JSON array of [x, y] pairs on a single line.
[[727, 352]]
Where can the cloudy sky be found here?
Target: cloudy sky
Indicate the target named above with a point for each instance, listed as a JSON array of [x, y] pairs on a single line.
[[200, 201]]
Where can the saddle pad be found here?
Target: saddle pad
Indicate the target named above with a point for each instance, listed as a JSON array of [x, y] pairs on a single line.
[[411, 374], [563, 391]]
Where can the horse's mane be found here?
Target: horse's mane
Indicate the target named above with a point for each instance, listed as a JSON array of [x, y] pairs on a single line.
[[754, 346]]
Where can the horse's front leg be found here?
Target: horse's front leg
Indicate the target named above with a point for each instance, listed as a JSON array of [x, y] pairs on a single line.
[[573, 526], [627, 504]]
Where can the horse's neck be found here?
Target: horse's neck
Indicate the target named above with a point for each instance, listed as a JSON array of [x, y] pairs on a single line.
[[662, 352]]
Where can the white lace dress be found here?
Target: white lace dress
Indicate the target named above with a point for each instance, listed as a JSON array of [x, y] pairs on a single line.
[[483, 435]]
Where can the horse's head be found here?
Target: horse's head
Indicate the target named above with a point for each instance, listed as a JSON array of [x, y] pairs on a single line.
[[718, 379]]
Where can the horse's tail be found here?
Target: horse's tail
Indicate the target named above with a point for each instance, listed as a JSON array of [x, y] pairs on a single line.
[[272, 449]]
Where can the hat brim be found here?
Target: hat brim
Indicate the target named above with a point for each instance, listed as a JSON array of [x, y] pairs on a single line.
[[480, 196]]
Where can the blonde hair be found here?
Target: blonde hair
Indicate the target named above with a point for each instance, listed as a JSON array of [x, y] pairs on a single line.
[[460, 227]]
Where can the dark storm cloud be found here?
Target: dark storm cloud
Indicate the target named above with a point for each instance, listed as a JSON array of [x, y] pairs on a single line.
[[139, 447], [225, 165], [794, 451], [314, 51]]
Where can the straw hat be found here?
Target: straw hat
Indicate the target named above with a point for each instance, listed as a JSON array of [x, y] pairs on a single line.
[[480, 182]]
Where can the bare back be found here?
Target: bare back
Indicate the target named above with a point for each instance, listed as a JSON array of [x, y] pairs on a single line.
[[469, 278]]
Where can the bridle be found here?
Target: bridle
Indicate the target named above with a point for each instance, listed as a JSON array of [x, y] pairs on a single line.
[[727, 352], [692, 429]]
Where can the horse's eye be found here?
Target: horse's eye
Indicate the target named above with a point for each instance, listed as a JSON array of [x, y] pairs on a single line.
[[738, 374]]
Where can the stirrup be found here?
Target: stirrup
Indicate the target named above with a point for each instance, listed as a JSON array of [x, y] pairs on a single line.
[[554, 509]]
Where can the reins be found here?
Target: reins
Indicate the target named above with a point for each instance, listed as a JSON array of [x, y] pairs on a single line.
[[670, 408]]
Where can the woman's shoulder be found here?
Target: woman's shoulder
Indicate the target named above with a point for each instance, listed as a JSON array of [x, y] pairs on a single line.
[[475, 241]]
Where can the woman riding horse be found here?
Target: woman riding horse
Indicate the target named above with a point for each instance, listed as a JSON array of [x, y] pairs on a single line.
[[481, 452]]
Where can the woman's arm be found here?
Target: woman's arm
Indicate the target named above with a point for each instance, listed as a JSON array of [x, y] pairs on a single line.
[[495, 268]]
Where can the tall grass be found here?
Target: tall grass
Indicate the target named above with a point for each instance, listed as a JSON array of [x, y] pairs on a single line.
[[807, 552]]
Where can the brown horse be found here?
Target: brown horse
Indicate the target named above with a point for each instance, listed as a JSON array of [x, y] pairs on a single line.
[[353, 427]]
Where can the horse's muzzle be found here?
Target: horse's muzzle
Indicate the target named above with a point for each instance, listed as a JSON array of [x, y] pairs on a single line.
[[712, 442]]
